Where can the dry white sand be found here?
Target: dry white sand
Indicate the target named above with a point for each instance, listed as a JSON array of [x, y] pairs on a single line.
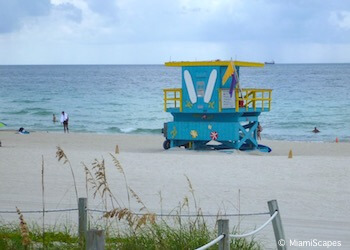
[[312, 188]]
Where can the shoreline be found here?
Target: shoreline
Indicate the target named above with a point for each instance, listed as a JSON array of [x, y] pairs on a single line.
[[145, 133], [279, 147], [312, 188]]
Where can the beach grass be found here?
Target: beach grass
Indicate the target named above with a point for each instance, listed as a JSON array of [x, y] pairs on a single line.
[[158, 236], [11, 238]]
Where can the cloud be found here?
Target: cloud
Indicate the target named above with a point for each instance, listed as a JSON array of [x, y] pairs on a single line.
[[270, 21], [14, 12], [69, 11], [127, 31], [341, 19], [106, 8]]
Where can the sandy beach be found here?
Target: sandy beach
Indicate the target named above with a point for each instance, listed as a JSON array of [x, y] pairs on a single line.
[[312, 188]]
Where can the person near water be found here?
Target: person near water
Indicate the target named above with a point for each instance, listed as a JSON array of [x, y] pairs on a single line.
[[22, 131], [259, 131], [64, 120], [54, 118], [315, 130]]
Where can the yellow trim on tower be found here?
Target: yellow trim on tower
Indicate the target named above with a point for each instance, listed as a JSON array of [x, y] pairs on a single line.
[[171, 98], [214, 63], [229, 72]]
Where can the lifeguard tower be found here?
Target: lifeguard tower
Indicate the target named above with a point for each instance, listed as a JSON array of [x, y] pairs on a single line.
[[211, 110]]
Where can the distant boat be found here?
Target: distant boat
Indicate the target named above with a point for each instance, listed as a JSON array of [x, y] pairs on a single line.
[[271, 62]]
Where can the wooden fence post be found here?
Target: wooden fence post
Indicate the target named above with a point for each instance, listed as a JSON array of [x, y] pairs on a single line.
[[95, 240], [223, 228], [277, 225], [82, 206]]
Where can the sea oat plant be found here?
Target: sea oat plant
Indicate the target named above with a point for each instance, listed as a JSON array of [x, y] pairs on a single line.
[[121, 170], [60, 154], [101, 182], [24, 230]]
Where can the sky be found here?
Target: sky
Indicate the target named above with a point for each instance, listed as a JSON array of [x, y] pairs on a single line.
[[156, 31]]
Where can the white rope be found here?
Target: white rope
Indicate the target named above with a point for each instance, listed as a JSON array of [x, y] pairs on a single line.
[[211, 243], [185, 215], [140, 214], [256, 230]]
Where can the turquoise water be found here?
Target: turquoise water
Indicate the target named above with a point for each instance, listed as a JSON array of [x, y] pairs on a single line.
[[129, 99]]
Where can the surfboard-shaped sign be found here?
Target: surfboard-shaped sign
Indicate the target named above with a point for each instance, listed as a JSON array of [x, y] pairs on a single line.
[[210, 87], [190, 86]]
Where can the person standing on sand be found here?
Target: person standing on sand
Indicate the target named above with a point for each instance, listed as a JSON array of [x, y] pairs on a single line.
[[64, 121], [259, 130]]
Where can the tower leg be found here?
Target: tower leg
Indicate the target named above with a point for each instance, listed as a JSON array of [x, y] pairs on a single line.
[[248, 138]]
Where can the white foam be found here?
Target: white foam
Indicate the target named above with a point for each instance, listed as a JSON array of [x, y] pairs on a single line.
[[127, 130]]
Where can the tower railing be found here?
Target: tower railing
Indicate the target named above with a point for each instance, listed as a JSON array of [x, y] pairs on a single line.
[[173, 98], [248, 99], [253, 99]]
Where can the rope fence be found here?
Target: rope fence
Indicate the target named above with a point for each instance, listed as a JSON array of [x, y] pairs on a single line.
[[186, 215], [211, 243], [223, 224], [220, 237], [40, 211], [224, 236], [139, 214], [256, 230]]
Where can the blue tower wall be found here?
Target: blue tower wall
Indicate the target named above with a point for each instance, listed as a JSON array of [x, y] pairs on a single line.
[[201, 118]]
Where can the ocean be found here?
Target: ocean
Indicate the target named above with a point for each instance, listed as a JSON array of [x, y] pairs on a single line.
[[129, 98]]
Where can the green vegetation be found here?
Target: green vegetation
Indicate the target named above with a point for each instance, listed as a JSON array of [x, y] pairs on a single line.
[[12, 238], [155, 237]]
